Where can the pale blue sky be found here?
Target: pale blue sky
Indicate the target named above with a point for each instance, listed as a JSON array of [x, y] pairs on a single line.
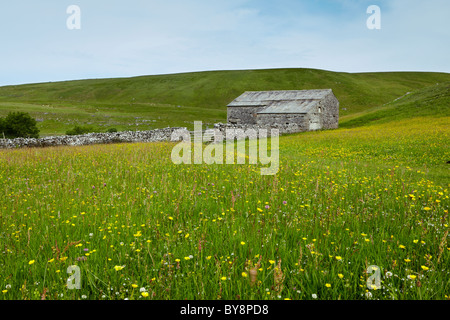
[[136, 37]]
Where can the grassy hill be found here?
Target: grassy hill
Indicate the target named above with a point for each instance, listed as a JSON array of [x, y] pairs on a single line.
[[433, 101], [146, 102]]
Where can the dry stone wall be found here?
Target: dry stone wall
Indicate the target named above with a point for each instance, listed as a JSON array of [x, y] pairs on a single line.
[[90, 138], [156, 135]]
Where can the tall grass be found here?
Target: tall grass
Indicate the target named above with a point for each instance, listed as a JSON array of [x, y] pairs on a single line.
[[141, 227]]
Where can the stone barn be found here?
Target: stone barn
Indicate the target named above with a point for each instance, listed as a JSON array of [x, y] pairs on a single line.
[[309, 109]]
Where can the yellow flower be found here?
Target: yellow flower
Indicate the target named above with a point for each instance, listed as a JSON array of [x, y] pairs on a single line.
[[31, 262], [4, 291], [327, 285], [340, 275], [186, 258], [425, 268], [401, 246], [427, 208], [118, 268], [338, 258], [242, 242], [51, 260], [208, 257], [134, 285], [144, 294], [271, 261], [415, 241], [223, 278], [177, 260], [244, 274], [187, 235], [63, 259], [407, 260], [260, 210], [412, 277]]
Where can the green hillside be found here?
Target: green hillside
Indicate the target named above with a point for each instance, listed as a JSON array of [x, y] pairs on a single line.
[[147, 102], [433, 101]]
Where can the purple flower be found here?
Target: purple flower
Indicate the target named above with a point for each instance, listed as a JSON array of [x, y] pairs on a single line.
[[284, 202], [267, 206], [85, 249]]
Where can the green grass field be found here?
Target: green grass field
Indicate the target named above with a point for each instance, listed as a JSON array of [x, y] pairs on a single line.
[[148, 102], [374, 192], [140, 227]]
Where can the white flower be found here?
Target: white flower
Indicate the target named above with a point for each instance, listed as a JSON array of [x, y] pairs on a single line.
[[142, 289], [91, 235], [8, 286], [369, 294], [83, 296], [314, 296], [388, 274]]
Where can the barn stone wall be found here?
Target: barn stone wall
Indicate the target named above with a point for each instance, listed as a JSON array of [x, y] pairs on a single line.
[[329, 107], [284, 119], [241, 115], [325, 115]]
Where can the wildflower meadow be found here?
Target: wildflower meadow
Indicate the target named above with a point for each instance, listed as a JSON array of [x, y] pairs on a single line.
[[137, 226]]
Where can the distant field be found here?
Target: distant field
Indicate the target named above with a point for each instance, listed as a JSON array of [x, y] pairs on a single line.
[[147, 102], [140, 227]]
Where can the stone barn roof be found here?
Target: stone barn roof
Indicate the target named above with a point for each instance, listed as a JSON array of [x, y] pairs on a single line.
[[286, 101]]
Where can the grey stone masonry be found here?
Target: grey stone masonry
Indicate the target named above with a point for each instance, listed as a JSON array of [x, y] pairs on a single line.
[[155, 135], [308, 109]]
